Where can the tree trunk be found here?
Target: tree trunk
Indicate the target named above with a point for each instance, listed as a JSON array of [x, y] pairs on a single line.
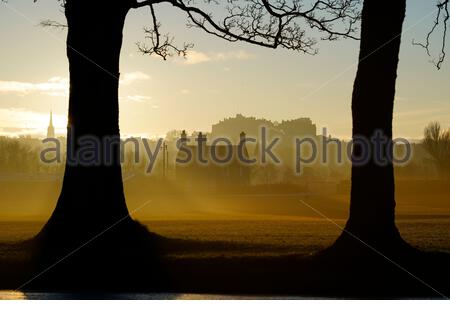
[[372, 204], [92, 197]]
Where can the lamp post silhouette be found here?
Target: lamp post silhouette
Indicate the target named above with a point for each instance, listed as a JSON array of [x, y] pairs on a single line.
[[165, 159]]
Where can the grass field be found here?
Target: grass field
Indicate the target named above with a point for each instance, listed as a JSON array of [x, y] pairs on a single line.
[[266, 236], [249, 242], [262, 224]]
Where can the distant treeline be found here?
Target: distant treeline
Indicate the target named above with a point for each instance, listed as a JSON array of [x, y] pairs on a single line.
[[430, 160], [437, 143], [21, 155]]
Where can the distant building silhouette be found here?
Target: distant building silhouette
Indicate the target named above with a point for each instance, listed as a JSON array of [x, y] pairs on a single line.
[[51, 129], [287, 131], [231, 127], [212, 175], [298, 127]]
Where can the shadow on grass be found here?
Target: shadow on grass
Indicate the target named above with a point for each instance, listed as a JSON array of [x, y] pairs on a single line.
[[153, 263]]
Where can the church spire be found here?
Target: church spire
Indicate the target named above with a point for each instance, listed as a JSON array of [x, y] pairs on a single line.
[[51, 129]]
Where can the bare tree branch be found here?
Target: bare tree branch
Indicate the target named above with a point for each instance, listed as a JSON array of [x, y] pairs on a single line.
[[272, 24], [442, 18], [52, 24], [161, 45]]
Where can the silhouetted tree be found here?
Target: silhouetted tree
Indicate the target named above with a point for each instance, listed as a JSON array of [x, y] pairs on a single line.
[[92, 197], [372, 206], [437, 142]]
